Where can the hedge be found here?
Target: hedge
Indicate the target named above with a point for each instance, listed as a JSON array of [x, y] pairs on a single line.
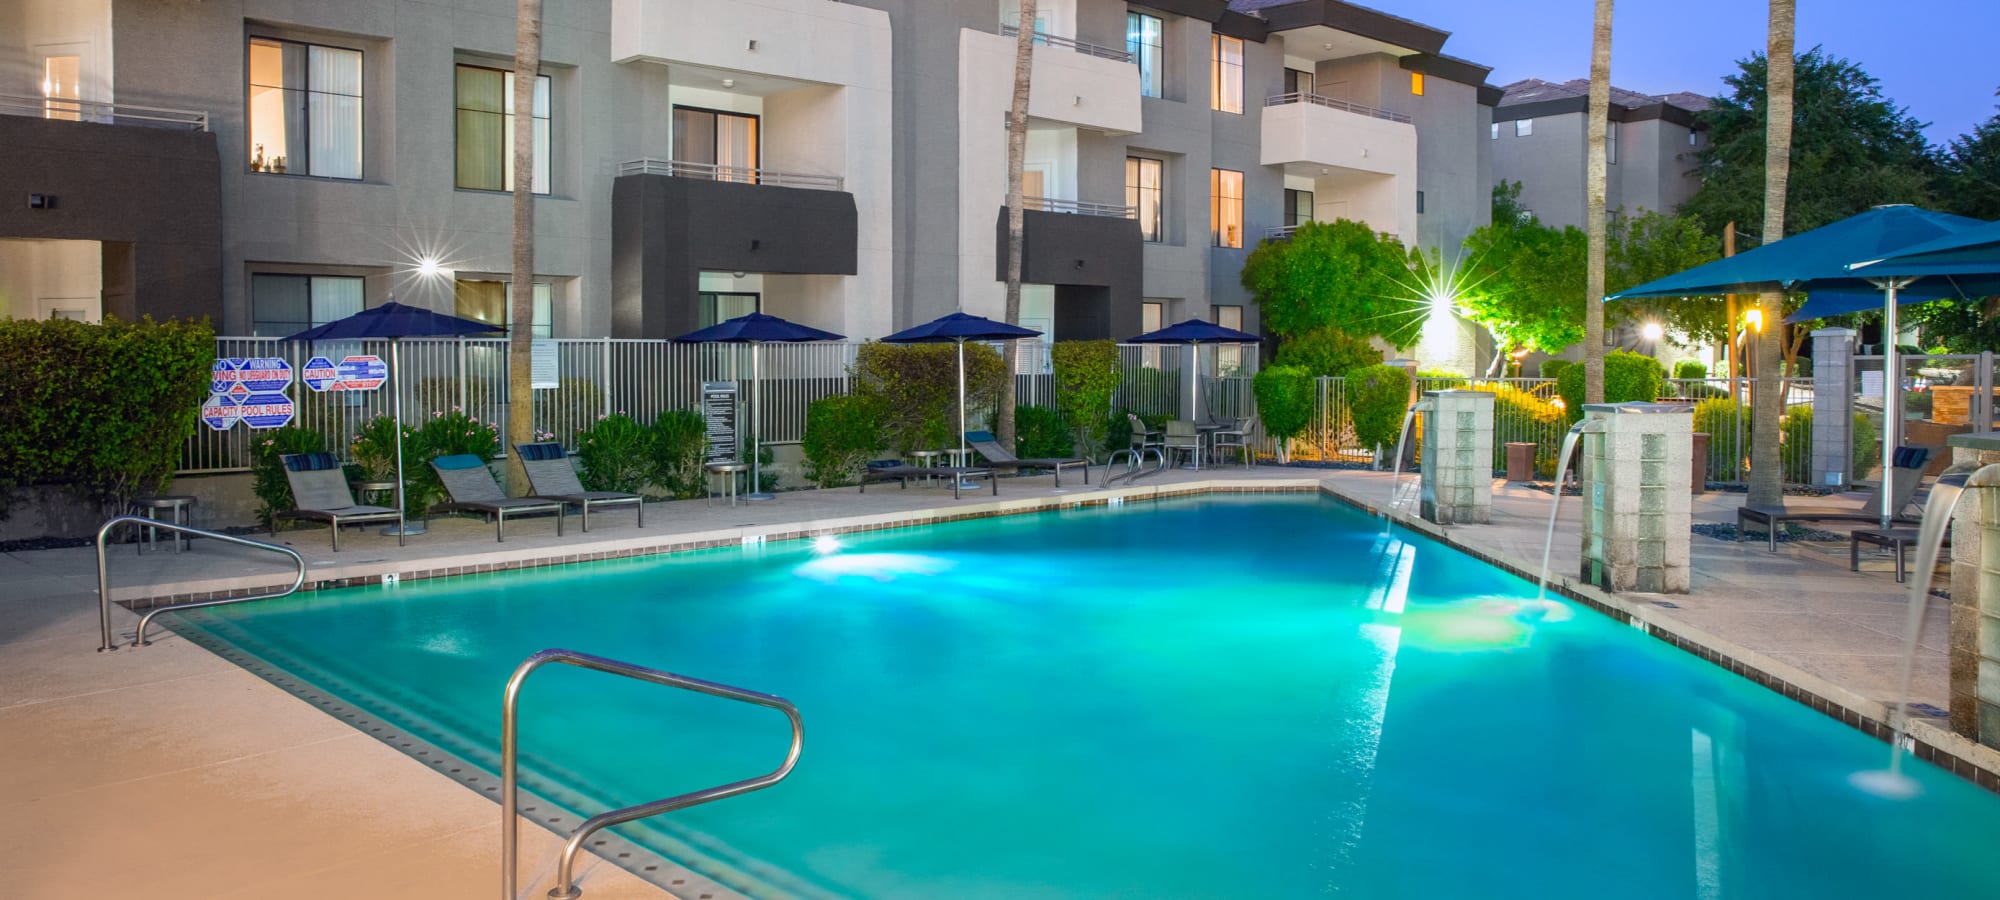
[[842, 432], [1627, 377], [1377, 399]]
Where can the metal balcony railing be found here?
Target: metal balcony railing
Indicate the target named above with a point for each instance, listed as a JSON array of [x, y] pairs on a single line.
[[102, 113], [1280, 232], [1088, 49], [738, 174], [1080, 207], [1329, 102]]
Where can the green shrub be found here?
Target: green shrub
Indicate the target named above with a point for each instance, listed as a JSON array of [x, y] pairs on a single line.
[[616, 454], [1150, 391], [1041, 433], [1552, 368], [1118, 429], [1086, 375], [1690, 369], [104, 410], [916, 388], [1286, 396], [676, 446], [1377, 399], [267, 472], [842, 433], [452, 433], [373, 449], [1796, 441], [1513, 405], [1327, 352], [1717, 417], [1627, 377]]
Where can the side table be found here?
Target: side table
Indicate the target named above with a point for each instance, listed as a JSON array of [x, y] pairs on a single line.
[[179, 509], [729, 470]]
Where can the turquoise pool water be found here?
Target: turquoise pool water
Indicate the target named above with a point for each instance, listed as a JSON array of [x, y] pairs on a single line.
[[1224, 697]]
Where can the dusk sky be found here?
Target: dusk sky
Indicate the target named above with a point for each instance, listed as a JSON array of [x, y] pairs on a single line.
[[1939, 58]]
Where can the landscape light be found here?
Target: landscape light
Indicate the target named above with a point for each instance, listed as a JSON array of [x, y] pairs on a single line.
[[1652, 331], [1755, 319]]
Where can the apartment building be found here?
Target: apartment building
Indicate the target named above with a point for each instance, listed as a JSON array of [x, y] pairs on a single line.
[[1540, 138], [273, 164]]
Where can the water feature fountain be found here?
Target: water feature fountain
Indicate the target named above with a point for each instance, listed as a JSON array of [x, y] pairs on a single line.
[[1636, 476], [1402, 444], [1457, 480], [1555, 503]]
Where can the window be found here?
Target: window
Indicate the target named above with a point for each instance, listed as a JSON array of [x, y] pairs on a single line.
[[1298, 81], [1420, 203], [60, 97], [1524, 127], [1417, 83], [486, 130], [1145, 39], [1143, 192], [305, 109], [727, 141], [282, 305], [1692, 138], [1298, 207], [1228, 357], [1611, 143], [1152, 317], [721, 306], [1494, 129], [1226, 81], [492, 301], [1225, 207]]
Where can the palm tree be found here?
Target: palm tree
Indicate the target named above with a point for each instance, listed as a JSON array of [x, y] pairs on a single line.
[[1595, 174], [1767, 400], [1017, 153], [521, 312]]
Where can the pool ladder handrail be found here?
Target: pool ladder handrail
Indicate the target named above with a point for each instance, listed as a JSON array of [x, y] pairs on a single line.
[[510, 823], [139, 639], [1136, 466]]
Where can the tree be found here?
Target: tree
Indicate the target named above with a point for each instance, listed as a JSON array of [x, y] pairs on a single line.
[[521, 313], [1767, 400], [1525, 283], [1338, 274], [1968, 181], [1017, 154], [1595, 176], [1856, 148], [1654, 245]]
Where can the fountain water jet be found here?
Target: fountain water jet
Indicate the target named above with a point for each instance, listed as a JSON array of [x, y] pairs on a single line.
[[1402, 442], [1576, 432]]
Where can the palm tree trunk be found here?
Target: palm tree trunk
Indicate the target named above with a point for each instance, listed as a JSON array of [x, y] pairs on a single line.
[[1017, 154], [1595, 173], [1767, 401], [521, 312]]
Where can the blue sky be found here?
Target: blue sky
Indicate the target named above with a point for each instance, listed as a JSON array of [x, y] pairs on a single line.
[[1939, 58]]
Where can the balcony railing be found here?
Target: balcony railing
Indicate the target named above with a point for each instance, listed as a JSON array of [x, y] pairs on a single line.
[[102, 113], [738, 174], [1317, 100], [1085, 48], [1280, 232], [1080, 207]]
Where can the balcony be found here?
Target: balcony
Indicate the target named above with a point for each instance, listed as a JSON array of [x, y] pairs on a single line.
[[1314, 131], [1045, 39], [736, 174], [1075, 83], [1079, 207], [60, 109]]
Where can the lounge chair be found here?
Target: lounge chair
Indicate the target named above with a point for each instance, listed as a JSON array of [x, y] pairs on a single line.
[[902, 473], [473, 488], [997, 456], [1854, 506], [320, 493], [551, 477]]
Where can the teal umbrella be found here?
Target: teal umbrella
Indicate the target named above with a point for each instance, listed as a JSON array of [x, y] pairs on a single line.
[[1816, 263]]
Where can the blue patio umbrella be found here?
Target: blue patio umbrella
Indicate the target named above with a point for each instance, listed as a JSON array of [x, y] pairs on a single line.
[[396, 321], [755, 329], [957, 328], [1195, 332], [1817, 263]]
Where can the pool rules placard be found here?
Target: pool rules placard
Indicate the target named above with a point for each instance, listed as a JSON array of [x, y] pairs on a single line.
[[718, 409]]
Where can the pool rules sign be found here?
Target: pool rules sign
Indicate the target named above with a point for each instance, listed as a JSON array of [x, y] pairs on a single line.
[[251, 390]]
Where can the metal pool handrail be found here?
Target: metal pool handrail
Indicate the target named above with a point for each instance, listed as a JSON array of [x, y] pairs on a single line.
[[104, 579], [510, 846]]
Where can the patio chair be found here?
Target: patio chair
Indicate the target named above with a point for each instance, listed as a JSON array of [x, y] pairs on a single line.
[[473, 489], [902, 473], [320, 493], [997, 457], [551, 477], [1853, 506], [1183, 438], [1236, 438], [1144, 437]]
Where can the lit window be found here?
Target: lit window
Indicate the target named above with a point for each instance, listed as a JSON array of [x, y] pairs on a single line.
[[1145, 40], [1524, 127], [1144, 194], [1228, 357], [1495, 131], [486, 130], [1225, 207], [1226, 81], [1417, 83], [305, 109], [492, 301]]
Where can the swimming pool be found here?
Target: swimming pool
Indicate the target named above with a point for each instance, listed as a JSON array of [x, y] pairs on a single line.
[[1230, 696]]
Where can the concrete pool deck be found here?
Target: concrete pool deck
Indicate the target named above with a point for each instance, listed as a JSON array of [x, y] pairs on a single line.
[[170, 772]]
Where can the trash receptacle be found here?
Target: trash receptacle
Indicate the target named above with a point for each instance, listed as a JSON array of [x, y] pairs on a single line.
[[1699, 483], [1520, 461]]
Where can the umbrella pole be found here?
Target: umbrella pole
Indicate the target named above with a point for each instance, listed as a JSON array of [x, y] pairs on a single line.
[[396, 399], [1892, 399], [961, 403], [756, 427]]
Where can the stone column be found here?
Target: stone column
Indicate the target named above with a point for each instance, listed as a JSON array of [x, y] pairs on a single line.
[[1637, 516], [1974, 641], [1833, 406], [1458, 457]]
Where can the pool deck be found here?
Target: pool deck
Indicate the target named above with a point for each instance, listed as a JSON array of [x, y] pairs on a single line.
[[169, 772]]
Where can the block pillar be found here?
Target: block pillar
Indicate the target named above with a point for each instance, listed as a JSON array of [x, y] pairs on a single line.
[[1833, 406], [1973, 651], [1637, 516], [1458, 457]]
